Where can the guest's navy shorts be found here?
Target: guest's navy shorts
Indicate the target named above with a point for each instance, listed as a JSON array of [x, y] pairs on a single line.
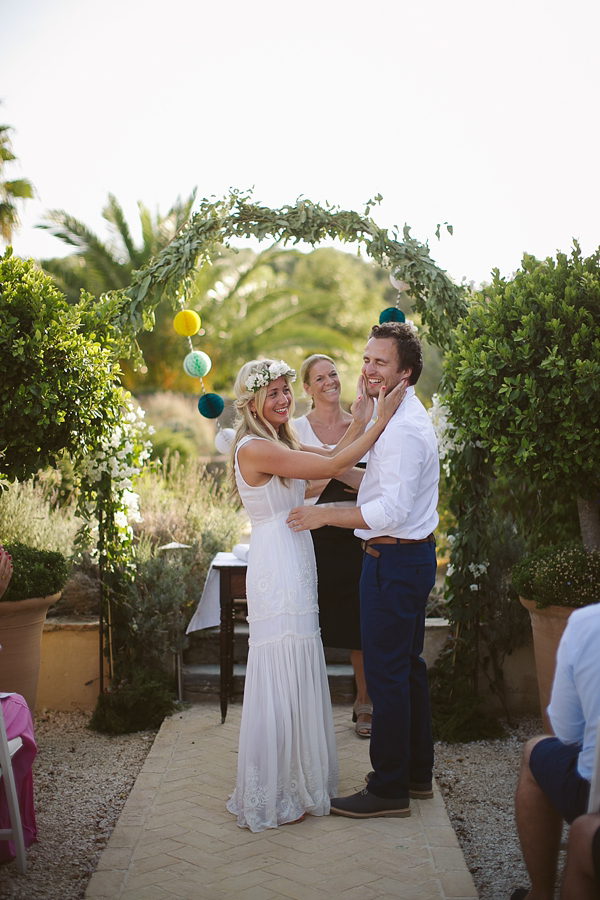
[[554, 767]]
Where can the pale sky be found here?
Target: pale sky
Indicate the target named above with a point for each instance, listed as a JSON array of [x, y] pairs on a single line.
[[476, 112]]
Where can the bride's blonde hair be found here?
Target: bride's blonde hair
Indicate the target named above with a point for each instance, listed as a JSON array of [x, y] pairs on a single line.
[[245, 423]]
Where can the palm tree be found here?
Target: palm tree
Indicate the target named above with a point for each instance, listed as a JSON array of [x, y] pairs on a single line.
[[98, 266], [11, 192]]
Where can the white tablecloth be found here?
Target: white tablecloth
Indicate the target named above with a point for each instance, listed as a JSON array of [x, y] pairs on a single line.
[[208, 612]]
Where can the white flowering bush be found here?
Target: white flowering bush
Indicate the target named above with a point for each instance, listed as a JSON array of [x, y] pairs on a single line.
[[108, 502], [445, 431]]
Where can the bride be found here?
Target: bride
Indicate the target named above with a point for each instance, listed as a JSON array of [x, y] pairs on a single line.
[[287, 762]]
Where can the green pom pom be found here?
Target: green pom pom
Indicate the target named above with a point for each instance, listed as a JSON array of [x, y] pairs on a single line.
[[392, 314], [210, 406], [197, 364]]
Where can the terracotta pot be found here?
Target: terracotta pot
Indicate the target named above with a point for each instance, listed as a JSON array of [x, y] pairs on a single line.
[[21, 626], [548, 625]]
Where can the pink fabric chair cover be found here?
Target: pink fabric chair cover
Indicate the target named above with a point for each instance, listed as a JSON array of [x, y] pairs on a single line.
[[18, 722]]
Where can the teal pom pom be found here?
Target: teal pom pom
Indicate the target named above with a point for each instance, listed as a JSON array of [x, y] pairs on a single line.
[[210, 406], [197, 364], [392, 314]]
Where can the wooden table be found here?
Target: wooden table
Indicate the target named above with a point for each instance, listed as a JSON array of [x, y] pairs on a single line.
[[232, 586]]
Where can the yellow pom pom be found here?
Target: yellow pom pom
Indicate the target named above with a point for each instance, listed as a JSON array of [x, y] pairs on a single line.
[[187, 322]]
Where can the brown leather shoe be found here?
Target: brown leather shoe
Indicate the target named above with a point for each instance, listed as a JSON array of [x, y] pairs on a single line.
[[365, 805]]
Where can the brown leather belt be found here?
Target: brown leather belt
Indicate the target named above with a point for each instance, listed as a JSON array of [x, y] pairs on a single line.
[[386, 539]]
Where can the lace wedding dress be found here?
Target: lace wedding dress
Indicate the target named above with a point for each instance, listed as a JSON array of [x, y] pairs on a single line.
[[287, 763]]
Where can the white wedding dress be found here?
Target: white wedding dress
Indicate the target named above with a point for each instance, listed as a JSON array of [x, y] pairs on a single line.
[[287, 763]]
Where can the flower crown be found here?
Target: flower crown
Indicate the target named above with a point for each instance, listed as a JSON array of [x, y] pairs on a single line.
[[267, 373]]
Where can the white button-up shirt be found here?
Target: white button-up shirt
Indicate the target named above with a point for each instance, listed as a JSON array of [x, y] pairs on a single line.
[[398, 495]]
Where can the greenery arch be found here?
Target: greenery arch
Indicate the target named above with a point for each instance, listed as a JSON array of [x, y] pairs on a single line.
[[114, 320], [438, 301]]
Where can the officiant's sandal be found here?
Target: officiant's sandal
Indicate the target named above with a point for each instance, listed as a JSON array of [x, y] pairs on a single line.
[[363, 729]]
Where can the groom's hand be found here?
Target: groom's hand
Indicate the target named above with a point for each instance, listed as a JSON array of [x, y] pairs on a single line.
[[305, 518]]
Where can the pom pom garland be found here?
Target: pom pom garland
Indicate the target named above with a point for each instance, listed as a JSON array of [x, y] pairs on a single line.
[[224, 439], [398, 283], [197, 363], [391, 314], [187, 322], [210, 406]]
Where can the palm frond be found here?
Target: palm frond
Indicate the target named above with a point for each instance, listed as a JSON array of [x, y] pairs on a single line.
[[148, 237], [20, 187], [101, 262], [113, 213], [69, 275], [181, 210], [6, 154], [8, 220]]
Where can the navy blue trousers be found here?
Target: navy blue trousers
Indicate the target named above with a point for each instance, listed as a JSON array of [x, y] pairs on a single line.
[[394, 588]]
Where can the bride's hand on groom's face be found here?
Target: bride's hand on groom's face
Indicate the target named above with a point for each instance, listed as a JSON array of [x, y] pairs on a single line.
[[388, 403], [362, 408]]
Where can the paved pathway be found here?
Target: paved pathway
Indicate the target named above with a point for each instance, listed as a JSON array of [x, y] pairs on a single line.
[[176, 841]]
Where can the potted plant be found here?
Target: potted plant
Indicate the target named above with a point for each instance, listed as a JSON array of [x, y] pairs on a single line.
[[36, 583], [552, 582], [525, 370]]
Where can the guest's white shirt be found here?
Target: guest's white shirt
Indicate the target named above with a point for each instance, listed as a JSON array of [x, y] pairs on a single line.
[[574, 708], [399, 494]]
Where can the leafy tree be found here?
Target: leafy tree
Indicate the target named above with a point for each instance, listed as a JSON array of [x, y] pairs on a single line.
[[11, 191], [59, 385], [526, 373]]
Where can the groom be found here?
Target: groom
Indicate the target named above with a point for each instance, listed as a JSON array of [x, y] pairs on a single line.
[[395, 517]]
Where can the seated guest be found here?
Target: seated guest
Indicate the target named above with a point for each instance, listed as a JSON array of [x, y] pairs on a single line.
[[582, 872], [554, 782], [18, 723]]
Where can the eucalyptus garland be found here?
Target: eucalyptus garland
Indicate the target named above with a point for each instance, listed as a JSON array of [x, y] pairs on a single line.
[[439, 302]]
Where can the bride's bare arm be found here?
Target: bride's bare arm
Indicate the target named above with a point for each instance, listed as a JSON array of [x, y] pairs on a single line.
[[258, 459]]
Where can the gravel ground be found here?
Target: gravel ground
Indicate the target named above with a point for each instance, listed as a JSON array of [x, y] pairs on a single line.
[[478, 782], [82, 780]]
